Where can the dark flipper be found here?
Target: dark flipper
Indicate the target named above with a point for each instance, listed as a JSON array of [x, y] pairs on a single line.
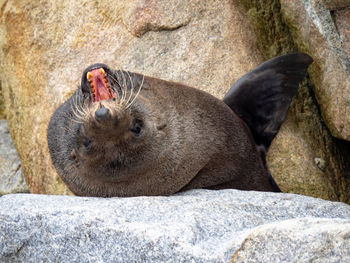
[[262, 97]]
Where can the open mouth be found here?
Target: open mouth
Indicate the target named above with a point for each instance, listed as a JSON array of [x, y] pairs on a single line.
[[99, 86]]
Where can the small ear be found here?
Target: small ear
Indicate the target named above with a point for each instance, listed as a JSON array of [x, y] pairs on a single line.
[[261, 98]]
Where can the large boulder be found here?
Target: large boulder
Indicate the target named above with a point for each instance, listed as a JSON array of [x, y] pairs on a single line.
[[46, 44], [305, 157], [313, 30], [195, 226]]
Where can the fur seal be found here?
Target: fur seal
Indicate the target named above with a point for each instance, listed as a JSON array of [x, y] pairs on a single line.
[[125, 134]]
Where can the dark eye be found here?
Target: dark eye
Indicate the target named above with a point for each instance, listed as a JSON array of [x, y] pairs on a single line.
[[137, 129], [86, 143]]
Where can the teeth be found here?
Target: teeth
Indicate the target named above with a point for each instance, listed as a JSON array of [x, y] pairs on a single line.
[[89, 76], [102, 71]]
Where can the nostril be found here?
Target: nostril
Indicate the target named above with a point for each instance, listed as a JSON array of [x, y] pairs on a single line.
[[87, 143], [102, 113]]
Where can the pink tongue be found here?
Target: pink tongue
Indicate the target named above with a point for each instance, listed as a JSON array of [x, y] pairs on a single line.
[[99, 86]]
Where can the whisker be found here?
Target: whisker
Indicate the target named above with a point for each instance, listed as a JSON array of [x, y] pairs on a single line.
[[78, 107], [125, 87], [69, 115], [115, 90], [138, 92], [131, 88], [75, 114], [78, 114], [76, 121], [82, 106]]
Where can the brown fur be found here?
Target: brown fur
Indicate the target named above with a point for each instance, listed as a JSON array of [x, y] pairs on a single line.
[[189, 140]]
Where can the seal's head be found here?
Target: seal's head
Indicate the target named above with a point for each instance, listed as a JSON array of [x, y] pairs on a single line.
[[109, 134], [106, 111]]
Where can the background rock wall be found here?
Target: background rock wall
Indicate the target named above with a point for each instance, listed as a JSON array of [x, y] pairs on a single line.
[[305, 157], [46, 44]]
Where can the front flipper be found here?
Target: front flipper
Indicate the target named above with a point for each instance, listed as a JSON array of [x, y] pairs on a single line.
[[261, 98]]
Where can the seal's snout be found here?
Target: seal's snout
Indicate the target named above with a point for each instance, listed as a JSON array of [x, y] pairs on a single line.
[[102, 113]]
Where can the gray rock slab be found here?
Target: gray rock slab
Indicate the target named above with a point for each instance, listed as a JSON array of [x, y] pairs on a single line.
[[11, 176], [195, 226]]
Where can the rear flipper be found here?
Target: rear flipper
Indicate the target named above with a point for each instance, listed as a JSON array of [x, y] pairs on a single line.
[[261, 98]]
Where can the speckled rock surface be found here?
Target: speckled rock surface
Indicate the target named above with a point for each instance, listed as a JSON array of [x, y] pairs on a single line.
[[304, 157], [335, 4], [204, 44], [292, 163], [195, 226], [11, 176], [297, 240], [2, 104], [313, 30], [342, 22]]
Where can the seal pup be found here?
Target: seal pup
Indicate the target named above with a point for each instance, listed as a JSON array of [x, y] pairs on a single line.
[[125, 134]]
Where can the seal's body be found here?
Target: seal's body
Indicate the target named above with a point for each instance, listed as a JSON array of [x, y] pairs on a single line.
[[125, 134]]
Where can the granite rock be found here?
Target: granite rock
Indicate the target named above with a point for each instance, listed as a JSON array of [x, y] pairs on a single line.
[[194, 226], [297, 240], [204, 44], [11, 176], [342, 23], [304, 157], [2, 105], [313, 30], [335, 4]]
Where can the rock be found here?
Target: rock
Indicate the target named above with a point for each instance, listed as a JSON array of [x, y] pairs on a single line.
[[199, 43], [303, 137], [11, 176], [313, 30], [195, 226], [292, 163], [342, 22], [297, 240], [335, 4], [204, 44], [144, 16], [2, 105]]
